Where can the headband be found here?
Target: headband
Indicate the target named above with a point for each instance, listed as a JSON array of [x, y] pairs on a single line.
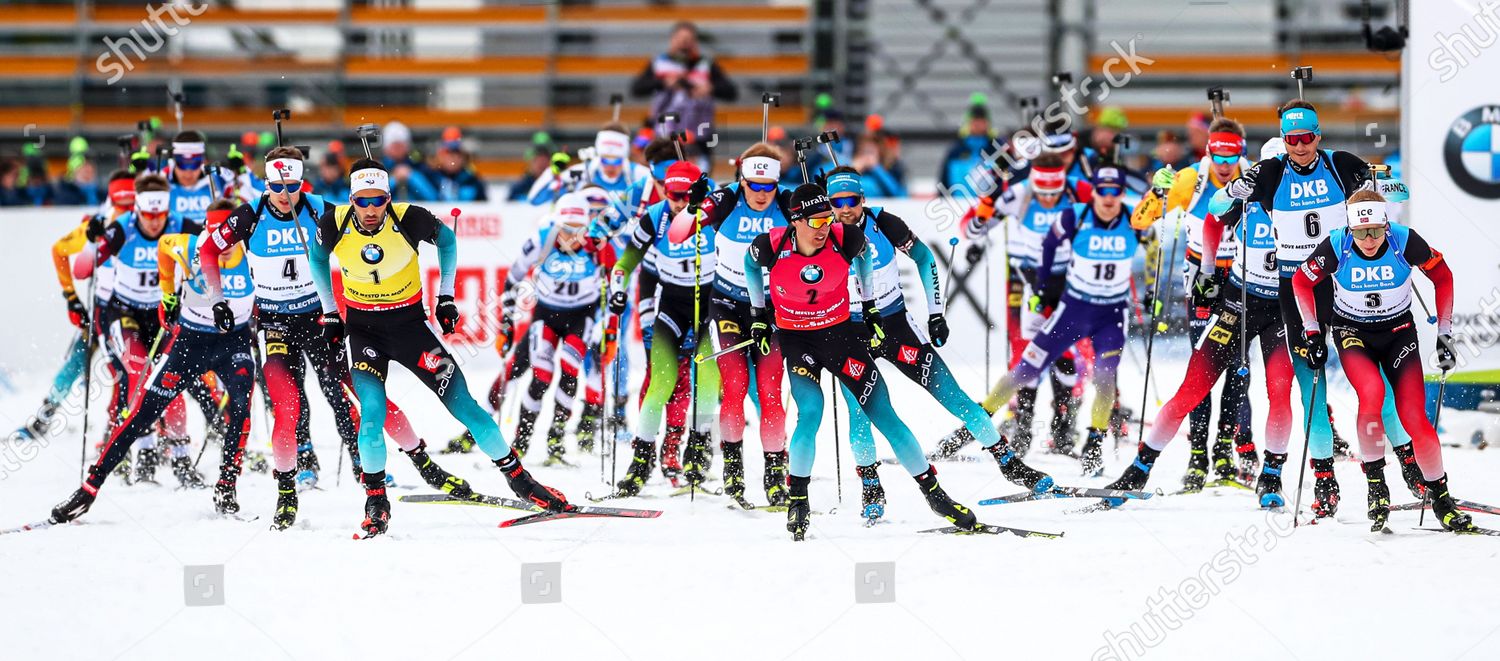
[[284, 168], [122, 192], [153, 201], [187, 148], [1226, 141], [1364, 214], [612, 145], [369, 178], [761, 167], [1300, 119], [216, 218], [845, 182], [1048, 181]]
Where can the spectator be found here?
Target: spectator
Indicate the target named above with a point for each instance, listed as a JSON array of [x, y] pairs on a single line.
[[1197, 131], [332, 183], [10, 176], [686, 82], [1169, 151], [643, 136], [874, 177], [451, 172], [80, 187], [538, 159], [409, 183], [889, 145], [1108, 126], [831, 119], [976, 139], [791, 173], [37, 189]]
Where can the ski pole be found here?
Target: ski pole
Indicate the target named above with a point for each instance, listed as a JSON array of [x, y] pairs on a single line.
[[1154, 324], [827, 139], [1306, 444], [615, 102], [177, 99], [88, 371], [1244, 369], [767, 99], [838, 460], [1436, 418], [988, 326], [952, 248], [721, 352], [365, 133]]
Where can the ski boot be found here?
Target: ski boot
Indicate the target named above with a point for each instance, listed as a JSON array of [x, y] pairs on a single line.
[[286, 500], [226, 501], [1377, 494], [1092, 456], [588, 426], [182, 465], [377, 506], [146, 460], [257, 462], [1119, 423], [1340, 446], [1017, 471], [1135, 475], [1325, 489], [1249, 461], [696, 458], [734, 469], [528, 488], [1226, 464], [941, 504], [39, 424], [555, 446], [1022, 424], [1064, 423], [1443, 506], [872, 495], [798, 512], [1268, 486], [460, 444], [671, 462], [75, 506], [775, 479], [435, 476], [524, 429], [307, 467], [1197, 471], [1410, 473], [640, 468], [949, 446]]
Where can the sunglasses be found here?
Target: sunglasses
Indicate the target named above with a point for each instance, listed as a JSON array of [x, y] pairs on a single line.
[[1109, 191], [1223, 159], [1299, 138], [188, 162], [286, 188], [844, 202], [819, 222], [759, 187], [151, 215], [1368, 232], [367, 202], [677, 196]]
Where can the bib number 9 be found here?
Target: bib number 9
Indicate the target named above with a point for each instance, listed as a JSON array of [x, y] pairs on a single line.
[[1270, 262]]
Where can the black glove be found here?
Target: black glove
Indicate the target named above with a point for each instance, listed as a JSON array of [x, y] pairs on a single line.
[[1149, 304], [235, 160], [937, 329], [1206, 283], [77, 314], [333, 327], [1045, 302], [140, 161], [223, 317], [698, 192], [447, 313], [872, 320], [974, 253], [760, 330], [1446, 358], [95, 228], [1314, 349], [617, 296]]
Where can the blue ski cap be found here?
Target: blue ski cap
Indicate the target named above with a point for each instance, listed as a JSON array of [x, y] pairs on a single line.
[[1109, 177], [845, 182], [1300, 119]]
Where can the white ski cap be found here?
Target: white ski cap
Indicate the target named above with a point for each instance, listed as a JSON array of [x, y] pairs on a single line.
[[289, 169], [1367, 214], [572, 210], [395, 132], [761, 167], [369, 179], [1273, 148]]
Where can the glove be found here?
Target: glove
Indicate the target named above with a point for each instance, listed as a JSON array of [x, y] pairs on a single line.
[[698, 192], [1164, 178], [77, 314], [167, 311], [872, 320], [560, 161], [95, 228], [333, 327], [223, 317], [1241, 188], [447, 313], [1147, 212], [1315, 350], [974, 253], [760, 330], [1446, 359], [140, 161], [937, 329], [617, 292], [1043, 304], [985, 209], [1149, 304], [1206, 283], [235, 159]]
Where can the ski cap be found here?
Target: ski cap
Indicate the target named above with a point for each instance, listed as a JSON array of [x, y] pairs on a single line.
[[289, 169], [1300, 119], [808, 200], [760, 167], [680, 176], [122, 193], [1274, 148], [1047, 180], [845, 182], [613, 147], [1109, 176], [572, 213], [395, 133], [153, 201], [369, 179], [1367, 214]]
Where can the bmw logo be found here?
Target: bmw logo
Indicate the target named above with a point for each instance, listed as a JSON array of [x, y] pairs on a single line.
[[372, 254], [811, 274], [1472, 152]]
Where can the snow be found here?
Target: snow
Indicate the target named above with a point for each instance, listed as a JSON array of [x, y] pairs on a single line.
[[705, 581]]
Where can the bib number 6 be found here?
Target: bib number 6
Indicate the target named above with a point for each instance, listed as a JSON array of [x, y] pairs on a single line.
[[1312, 225]]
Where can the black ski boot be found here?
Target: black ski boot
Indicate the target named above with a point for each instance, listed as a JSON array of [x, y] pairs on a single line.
[[640, 468], [1249, 460], [949, 446], [527, 488], [696, 458], [1119, 422], [1268, 485], [1017, 471], [734, 469], [182, 465], [1226, 463], [146, 460], [37, 427], [1135, 475], [798, 512], [460, 444], [775, 479], [524, 429], [257, 462], [75, 506], [671, 456], [226, 501], [435, 476], [286, 500], [588, 426], [872, 495], [377, 506], [941, 504], [1092, 456], [555, 447], [1325, 489], [1021, 431], [1064, 418], [1197, 470], [1443, 506], [1410, 473], [1377, 494]]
